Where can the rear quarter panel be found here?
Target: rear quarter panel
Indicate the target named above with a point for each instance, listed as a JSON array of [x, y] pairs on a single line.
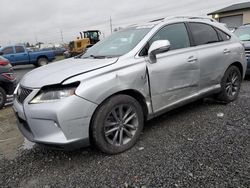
[[34, 56]]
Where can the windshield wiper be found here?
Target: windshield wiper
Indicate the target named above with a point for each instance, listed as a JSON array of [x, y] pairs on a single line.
[[98, 56]]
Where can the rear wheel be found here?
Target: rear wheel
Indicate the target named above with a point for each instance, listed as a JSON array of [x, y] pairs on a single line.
[[2, 97], [117, 124], [41, 62], [230, 85]]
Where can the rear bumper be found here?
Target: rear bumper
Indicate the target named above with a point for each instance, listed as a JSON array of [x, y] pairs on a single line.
[[62, 125], [8, 86]]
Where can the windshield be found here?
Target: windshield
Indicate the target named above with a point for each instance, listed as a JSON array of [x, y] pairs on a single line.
[[117, 44], [243, 33]]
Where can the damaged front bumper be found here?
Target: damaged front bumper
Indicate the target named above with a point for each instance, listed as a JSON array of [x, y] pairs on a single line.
[[62, 123]]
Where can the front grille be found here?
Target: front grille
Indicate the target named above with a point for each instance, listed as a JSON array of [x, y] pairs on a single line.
[[247, 53], [22, 94]]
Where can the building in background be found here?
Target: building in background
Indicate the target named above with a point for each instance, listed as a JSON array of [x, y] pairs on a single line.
[[234, 15]]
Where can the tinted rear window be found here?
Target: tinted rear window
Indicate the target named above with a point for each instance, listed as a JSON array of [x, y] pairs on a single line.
[[203, 33]]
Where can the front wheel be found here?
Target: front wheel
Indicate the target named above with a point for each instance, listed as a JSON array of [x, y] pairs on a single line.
[[2, 97], [230, 85], [117, 124]]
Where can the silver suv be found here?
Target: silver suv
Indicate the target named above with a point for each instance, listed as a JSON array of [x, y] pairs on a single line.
[[105, 96]]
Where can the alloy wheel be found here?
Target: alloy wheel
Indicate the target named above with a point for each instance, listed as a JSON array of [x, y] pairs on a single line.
[[232, 84], [121, 125]]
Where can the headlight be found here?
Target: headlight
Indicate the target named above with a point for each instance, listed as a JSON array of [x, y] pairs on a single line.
[[53, 94]]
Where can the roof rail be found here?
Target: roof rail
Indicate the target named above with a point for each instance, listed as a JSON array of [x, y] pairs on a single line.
[[156, 20], [193, 17]]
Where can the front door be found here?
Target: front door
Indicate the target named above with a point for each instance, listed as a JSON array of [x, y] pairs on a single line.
[[175, 76]]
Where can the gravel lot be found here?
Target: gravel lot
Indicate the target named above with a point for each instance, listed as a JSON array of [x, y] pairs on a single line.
[[203, 144]]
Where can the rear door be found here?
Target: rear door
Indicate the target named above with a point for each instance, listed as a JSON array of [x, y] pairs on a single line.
[[212, 54], [21, 56], [175, 75]]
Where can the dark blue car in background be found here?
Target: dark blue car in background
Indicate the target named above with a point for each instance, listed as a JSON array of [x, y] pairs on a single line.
[[19, 55], [243, 33]]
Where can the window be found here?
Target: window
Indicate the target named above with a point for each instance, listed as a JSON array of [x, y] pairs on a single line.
[[203, 33], [223, 36], [8, 50], [19, 49], [176, 34]]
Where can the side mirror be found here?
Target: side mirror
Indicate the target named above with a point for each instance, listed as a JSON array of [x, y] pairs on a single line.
[[1, 53], [157, 47]]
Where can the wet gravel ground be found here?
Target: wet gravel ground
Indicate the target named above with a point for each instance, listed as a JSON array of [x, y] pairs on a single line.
[[203, 144]]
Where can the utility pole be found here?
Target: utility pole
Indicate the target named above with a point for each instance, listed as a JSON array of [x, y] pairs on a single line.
[[35, 38], [110, 21], [61, 35]]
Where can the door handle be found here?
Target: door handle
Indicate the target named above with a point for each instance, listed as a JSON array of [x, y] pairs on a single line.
[[226, 51], [192, 59]]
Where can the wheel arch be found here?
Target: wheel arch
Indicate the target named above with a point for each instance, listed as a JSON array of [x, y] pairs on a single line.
[[239, 66], [41, 56], [130, 92]]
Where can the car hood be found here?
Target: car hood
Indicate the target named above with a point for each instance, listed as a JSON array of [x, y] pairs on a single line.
[[57, 72]]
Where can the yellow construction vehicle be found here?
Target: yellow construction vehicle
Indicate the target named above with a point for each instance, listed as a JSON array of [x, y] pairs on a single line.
[[86, 40]]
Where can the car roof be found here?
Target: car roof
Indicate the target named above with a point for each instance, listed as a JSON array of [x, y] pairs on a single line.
[[154, 22]]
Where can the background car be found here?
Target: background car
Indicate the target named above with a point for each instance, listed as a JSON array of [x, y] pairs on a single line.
[[243, 33], [7, 80], [19, 55]]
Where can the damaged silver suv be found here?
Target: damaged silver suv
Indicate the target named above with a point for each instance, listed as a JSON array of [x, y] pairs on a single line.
[[105, 96]]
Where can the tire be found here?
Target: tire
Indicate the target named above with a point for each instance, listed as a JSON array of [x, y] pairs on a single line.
[[41, 62], [2, 97], [230, 85], [111, 134]]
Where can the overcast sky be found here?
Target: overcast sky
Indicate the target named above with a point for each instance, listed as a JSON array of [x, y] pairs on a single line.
[[43, 20]]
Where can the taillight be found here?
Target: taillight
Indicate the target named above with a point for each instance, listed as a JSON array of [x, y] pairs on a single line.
[[9, 76], [3, 63]]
